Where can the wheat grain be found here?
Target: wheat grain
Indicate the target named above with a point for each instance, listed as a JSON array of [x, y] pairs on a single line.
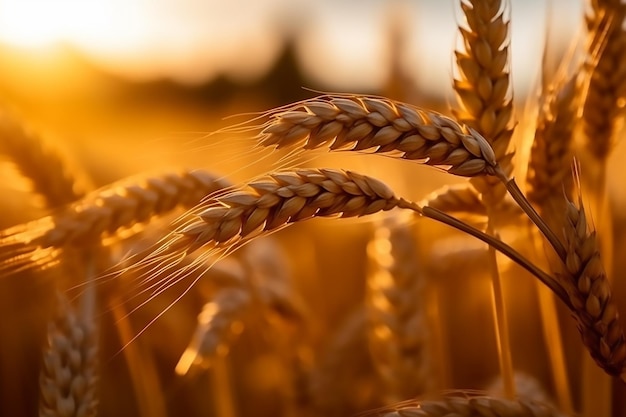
[[399, 335], [38, 162], [483, 84], [589, 292], [104, 213], [362, 123], [69, 374], [472, 406]]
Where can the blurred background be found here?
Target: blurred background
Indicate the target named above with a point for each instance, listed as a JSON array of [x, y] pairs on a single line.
[[151, 73], [127, 87]]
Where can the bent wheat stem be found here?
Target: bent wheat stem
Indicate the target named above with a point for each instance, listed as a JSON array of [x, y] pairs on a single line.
[[498, 245], [525, 205]]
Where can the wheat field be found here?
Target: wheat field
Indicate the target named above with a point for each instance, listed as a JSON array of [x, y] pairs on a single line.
[[304, 271]]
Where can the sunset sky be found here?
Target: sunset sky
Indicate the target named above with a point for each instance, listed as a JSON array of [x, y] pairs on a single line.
[[341, 44]]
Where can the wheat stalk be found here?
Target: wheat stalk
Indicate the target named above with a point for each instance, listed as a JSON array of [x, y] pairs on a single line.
[[105, 213], [38, 162], [399, 335], [361, 123], [69, 373], [472, 406]]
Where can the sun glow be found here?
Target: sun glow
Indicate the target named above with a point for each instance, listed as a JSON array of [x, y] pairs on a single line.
[[33, 23]]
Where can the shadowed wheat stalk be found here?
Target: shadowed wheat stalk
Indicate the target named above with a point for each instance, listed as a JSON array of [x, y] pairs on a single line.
[[69, 374], [399, 333]]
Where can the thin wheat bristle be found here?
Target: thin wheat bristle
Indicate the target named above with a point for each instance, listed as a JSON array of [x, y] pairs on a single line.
[[69, 371], [362, 123], [483, 83], [604, 104], [105, 213], [399, 334], [549, 173], [589, 291], [38, 162], [474, 406]]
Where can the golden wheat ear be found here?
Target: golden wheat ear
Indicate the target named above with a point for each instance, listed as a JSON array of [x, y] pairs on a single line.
[[588, 289], [110, 214], [47, 170], [378, 125], [230, 219], [603, 108], [483, 84]]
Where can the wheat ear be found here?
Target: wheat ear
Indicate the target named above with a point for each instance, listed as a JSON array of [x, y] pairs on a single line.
[[607, 85], [472, 406], [589, 291], [38, 162], [276, 201], [483, 84], [105, 213], [399, 334], [549, 173], [69, 374], [361, 123]]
